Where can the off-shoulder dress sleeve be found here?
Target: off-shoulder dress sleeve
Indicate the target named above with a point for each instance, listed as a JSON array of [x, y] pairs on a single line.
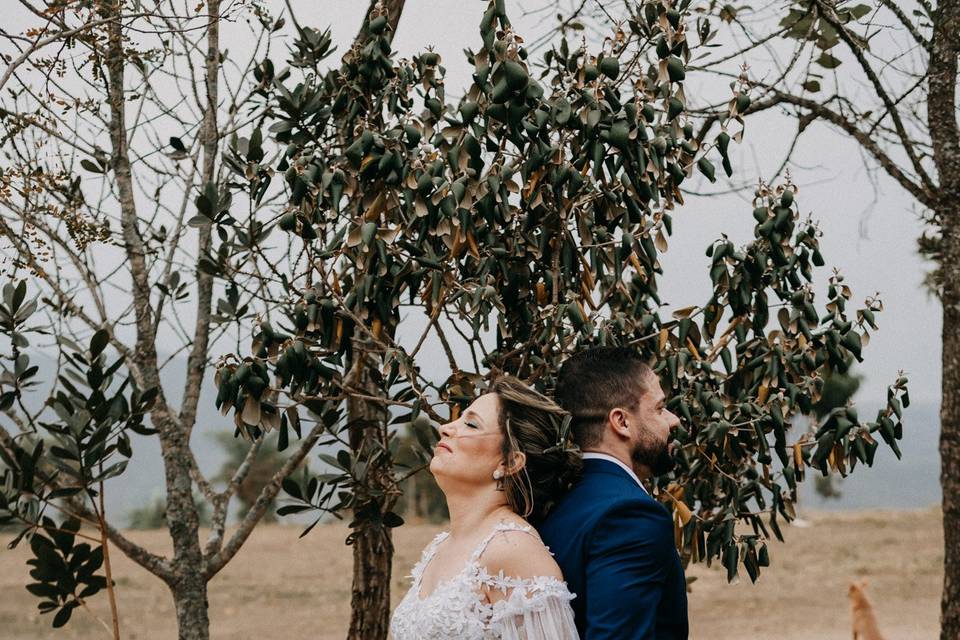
[[535, 609]]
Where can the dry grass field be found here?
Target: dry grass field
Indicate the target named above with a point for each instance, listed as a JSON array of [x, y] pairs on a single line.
[[282, 587]]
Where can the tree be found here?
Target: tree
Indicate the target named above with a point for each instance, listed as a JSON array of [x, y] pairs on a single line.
[[884, 74], [522, 223], [114, 120]]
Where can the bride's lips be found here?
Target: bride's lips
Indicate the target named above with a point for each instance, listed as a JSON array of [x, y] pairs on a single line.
[[444, 445]]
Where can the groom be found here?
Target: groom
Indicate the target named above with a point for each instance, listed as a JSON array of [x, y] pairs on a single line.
[[612, 540]]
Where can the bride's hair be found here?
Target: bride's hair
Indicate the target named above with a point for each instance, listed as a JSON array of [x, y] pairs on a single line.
[[532, 424]]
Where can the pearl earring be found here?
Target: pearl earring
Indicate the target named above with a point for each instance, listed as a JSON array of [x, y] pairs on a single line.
[[497, 474]]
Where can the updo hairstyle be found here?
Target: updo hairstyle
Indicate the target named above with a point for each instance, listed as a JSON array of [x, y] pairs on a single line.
[[538, 427]]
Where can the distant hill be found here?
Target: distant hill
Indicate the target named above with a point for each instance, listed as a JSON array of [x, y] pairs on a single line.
[[909, 483]]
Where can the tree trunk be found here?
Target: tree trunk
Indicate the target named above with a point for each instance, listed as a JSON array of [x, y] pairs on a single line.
[[950, 449], [190, 599], [371, 540], [189, 584], [370, 599], [187, 581], [950, 425], [945, 139]]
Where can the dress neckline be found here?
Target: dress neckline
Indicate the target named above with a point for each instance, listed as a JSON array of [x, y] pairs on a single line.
[[472, 563]]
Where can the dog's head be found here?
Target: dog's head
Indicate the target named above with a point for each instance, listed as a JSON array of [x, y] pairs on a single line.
[[857, 592]]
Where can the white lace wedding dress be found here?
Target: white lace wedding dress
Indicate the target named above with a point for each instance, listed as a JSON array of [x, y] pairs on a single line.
[[532, 608]]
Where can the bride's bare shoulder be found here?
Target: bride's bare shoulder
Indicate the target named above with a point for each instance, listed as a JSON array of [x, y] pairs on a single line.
[[520, 554]]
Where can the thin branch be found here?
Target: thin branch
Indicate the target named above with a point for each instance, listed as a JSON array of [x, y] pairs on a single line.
[[222, 500], [59, 36], [830, 16], [906, 22], [197, 360], [217, 561], [920, 191]]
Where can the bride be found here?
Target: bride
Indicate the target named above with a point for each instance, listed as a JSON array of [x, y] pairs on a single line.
[[491, 577]]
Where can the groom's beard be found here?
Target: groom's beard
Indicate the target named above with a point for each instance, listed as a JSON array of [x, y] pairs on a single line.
[[654, 455]]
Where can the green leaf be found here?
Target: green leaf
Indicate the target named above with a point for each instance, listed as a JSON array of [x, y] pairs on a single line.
[[293, 508], [292, 488], [91, 166], [98, 343], [675, 69], [561, 110], [610, 67], [827, 61], [392, 520], [707, 168], [859, 11], [63, 616]]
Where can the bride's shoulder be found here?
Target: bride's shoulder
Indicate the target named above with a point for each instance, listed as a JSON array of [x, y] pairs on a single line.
[[518, 551]]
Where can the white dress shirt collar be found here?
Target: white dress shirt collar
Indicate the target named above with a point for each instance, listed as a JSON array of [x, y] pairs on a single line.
[[596, 455]]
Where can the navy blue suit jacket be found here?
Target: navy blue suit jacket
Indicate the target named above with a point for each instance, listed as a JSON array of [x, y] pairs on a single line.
[[614, 544]]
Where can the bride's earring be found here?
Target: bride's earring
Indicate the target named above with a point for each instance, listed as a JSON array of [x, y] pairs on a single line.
[[498, 476]]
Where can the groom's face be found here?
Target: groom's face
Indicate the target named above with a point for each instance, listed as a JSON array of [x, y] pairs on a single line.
[[651, 426]]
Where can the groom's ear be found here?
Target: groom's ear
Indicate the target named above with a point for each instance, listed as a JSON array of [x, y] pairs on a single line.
[[617, 420]]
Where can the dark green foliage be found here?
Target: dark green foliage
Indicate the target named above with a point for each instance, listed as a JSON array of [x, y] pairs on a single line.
[[65, 571], [86, 445], [532, 216]]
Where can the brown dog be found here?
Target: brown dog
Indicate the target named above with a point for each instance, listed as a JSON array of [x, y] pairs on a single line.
[[864, 621]]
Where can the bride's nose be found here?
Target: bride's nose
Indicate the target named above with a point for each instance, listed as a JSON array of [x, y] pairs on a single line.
[[446, 430]]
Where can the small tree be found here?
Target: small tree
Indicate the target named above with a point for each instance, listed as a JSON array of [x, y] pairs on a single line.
[[526, 222], [114, 206]]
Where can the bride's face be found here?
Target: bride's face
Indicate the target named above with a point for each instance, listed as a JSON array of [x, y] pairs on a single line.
[[470, 450]]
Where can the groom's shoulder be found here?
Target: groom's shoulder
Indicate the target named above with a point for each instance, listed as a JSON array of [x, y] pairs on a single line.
[[597, 500], [637, 509], [635, 522]]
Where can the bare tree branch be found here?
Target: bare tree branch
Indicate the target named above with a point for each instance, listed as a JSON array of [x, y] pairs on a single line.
[[197, 361], [60, 36], [222, 500], [214, 563], [906, 22], [830, 16]]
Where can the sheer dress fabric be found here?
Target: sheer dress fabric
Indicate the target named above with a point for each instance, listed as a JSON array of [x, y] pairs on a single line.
[[535, 608]]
